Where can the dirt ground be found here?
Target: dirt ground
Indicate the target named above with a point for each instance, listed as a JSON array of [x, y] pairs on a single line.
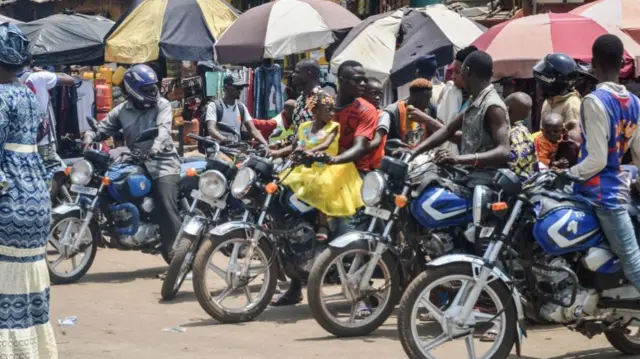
[[120, 315]]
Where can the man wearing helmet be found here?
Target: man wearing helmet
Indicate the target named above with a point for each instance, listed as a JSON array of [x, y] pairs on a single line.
[[555, 77], [145, 109]]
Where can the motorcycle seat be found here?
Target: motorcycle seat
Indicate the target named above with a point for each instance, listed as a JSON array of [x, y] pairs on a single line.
[[191, 159]]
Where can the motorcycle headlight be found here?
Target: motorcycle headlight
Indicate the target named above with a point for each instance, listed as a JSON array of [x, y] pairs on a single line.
[[81, 173], [481, 198], [213, 184], [373, 187], [245, 178]]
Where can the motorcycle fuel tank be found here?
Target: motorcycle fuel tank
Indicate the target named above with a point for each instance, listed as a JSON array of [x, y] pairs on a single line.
[[438, 207]]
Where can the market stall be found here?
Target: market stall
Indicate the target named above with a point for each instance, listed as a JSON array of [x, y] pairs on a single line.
[[67, 38]]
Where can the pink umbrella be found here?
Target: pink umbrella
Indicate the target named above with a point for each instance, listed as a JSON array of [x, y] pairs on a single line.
[[624, 14], [517, 45]]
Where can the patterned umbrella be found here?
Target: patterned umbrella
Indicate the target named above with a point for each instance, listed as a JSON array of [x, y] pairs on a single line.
[[429, 30], [283, 27], [173, 29], [624, 14], [517, 45]]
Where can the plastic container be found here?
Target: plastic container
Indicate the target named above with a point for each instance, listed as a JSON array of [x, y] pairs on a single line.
[[192, 126], [106, 73], [101, 116], [104, 99], [118, 76]]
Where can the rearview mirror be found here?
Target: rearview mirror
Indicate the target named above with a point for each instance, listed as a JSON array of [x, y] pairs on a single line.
[[276, 133], [148, 134]]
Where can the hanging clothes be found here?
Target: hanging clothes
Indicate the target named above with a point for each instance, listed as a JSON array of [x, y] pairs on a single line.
[[86, 101], [268, 91]]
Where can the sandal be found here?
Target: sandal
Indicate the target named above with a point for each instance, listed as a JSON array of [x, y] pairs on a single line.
[[490, 336], [323, 234], [287, 299]]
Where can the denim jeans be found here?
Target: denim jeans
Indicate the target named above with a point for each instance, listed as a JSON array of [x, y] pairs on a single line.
[[619, 230]]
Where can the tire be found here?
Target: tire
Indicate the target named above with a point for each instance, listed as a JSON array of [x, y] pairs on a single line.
[[202, 292], [314, 294], [620, 341], [56, 279], [182, 256], [411, 296]]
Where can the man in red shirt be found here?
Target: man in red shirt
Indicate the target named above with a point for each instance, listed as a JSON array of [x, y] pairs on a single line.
[[358, 118], [284, 120]]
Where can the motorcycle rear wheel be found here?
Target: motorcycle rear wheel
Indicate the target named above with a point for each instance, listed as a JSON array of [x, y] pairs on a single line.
[[213, 306], [623, 343]]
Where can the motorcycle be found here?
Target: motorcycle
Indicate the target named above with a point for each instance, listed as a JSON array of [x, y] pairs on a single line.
[[282, 239], [414, 218], [213, 192], [566, 274], [111, 197]]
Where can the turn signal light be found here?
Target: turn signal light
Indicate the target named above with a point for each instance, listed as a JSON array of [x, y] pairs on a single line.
[[67, 171], [401, 201], [271, 188], [499, 206], [191, 172], [106, 181]]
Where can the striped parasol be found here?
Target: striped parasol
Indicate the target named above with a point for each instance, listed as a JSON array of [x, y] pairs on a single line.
[[423, 31], [172, 29], [283, 27], [517, 45], [624, 14]]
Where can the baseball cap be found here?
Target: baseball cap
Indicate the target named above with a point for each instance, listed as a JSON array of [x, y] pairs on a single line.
[[234, 80]]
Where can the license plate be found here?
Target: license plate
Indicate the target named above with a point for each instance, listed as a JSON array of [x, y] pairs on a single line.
[[89, 191], [378, 213], [486, 232], [217, 203]]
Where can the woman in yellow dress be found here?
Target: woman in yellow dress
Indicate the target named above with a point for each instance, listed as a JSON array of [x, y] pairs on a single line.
[[334, 190]]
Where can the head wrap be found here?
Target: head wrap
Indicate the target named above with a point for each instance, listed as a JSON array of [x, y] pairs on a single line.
[[13, 45]]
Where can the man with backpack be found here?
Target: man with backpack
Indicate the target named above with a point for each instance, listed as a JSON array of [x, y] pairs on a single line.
[[225, 117]]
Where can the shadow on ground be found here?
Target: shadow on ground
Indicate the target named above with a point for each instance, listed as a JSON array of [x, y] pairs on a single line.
[[122, 277]]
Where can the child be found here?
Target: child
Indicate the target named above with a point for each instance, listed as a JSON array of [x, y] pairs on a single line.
[[553, 147], [334, 190], [522, 161]]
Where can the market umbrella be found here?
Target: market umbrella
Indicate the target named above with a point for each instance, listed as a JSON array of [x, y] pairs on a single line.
[[517, 45], [172, 29], [4, 19], [67, 38], [429, 30], [624, 14], [283, 27]]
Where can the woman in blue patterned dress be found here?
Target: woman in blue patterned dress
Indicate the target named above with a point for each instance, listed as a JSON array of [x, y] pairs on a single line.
[[25, 211]]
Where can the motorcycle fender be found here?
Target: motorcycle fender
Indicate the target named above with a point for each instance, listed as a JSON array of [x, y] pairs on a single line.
[[65, 209], [368, 238], [476, 265], [194, 226], [229, 227]]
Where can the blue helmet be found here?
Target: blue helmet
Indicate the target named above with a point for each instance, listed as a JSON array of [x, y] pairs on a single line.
[[141, 83]]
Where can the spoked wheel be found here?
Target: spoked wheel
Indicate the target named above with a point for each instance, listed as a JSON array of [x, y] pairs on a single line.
[[220, 286], [343, 309], [179, 267], [65, 265], [429, 311]]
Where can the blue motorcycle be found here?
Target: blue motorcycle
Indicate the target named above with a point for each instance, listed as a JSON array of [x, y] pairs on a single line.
[[548, 260], [417, 214], [113, 208]]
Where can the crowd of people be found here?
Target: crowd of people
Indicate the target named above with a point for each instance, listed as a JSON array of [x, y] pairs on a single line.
[[469, 124]]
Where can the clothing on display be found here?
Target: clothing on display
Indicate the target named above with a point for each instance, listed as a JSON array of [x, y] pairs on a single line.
[[268, 91], [86, 100]]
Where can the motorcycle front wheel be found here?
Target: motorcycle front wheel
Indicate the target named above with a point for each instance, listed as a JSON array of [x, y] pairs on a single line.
[[433, 301], [344, 310], [63, 231], [234, 302], [179, 267]]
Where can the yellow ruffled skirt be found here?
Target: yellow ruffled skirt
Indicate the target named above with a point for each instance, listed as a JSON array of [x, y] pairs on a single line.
[[332, 189]]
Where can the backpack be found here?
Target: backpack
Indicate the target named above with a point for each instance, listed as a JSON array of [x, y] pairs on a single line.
[[203, 132]]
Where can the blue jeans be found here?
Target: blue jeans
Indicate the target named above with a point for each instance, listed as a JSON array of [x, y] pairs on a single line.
[[619, 230]]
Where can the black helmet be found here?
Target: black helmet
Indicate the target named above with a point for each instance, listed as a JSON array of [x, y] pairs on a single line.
[[556, 74]]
